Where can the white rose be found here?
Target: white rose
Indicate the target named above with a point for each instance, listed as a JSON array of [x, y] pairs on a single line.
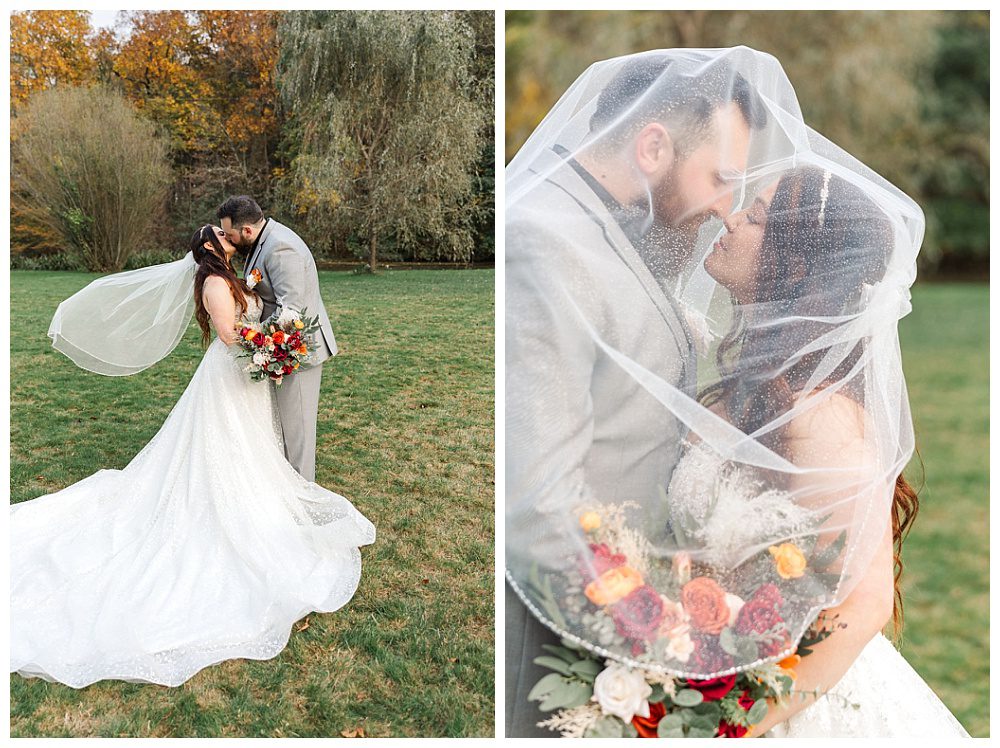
[[735, 602], [622, 692], [259, 358], [680, 647]]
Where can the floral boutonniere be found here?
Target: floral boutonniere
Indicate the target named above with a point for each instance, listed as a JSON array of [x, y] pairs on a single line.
[[254, 278]]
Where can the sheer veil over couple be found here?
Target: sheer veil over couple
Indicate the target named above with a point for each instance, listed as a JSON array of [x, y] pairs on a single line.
[[706, 418], [214, 539]]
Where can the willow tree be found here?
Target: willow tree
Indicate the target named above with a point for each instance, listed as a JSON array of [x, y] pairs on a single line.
[[388, 122]]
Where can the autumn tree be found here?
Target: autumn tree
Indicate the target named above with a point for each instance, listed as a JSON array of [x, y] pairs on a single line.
[[206, 78], [389, 120], [48, 47], [91, 170]]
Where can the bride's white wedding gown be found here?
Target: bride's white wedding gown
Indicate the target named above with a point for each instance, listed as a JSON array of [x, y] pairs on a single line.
[[207, 546], [880, 696]]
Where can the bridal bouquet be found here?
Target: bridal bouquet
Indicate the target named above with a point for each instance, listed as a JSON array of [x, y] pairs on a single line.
[[278, 346], [677, 614]]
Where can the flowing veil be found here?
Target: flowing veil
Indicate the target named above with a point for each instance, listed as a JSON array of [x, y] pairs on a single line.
[[702, 533], [124, 323]]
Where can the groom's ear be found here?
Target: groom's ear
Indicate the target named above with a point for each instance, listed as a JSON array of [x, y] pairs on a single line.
[[654, 150]]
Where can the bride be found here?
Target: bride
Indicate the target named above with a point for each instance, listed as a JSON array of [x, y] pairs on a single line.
[[813, 244], [208, 545]]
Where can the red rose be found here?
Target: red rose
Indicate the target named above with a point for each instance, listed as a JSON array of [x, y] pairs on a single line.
[[638, 614], [768, 593], [605, 560], [727, 730], [286, 369], [280, 354], [713, 689], [244, 331], [294, 341], [756, 616], [258, 339], [745, 701], [646, 726]]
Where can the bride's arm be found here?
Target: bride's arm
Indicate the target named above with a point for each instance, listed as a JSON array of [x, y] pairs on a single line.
[[832, 436], [221, 308]]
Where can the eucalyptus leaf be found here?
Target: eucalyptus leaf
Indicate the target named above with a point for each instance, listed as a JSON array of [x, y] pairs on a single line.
[[667, 731], [606, 727], [567, 695], [703, 723], [757, 712], [658, 694], [586, 668], [672, 721], [553, 663], [688, 697], [561, 652], [727, 640], [630, 731], [746, 650], [544, 686]]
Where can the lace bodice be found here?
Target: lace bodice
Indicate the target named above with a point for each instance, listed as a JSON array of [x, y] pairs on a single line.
[[255, 307]]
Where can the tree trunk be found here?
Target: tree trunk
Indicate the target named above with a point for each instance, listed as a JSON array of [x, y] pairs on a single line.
[[372, 250]]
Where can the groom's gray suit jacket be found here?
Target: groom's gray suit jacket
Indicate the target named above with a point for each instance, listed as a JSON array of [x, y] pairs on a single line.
[[289, 278], [288, 274], [578, 427]]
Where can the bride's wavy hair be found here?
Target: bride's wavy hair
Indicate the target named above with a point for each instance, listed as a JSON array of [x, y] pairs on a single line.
[[808, 270], [213, 262]]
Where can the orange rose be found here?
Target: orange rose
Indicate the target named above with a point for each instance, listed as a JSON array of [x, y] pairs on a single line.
[[789, 561], [278, 337], [613, 585], [250, 334], [705, 602]]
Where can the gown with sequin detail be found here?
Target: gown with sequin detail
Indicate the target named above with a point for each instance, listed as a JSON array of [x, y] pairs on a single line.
[[207, 546], [880, 696]]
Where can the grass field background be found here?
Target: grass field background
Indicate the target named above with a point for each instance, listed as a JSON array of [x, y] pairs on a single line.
[[405, 431], [945, 342]]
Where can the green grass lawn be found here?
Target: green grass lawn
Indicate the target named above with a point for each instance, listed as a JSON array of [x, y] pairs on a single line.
[[945, 342], [406, 432]]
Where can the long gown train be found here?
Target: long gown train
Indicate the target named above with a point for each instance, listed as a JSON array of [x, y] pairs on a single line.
[[207, 546]]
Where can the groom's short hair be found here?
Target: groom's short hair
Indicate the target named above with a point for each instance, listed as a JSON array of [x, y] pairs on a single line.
[[652, 89], [241, 210]]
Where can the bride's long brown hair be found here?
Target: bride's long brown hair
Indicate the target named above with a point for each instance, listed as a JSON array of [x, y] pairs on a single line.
[[755, 386], [213, 262]]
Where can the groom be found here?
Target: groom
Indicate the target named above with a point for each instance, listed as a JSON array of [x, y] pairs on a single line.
[[583, 242], [288, 278]]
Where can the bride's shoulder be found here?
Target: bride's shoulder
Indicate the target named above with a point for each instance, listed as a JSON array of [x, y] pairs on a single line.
[[833, 421]]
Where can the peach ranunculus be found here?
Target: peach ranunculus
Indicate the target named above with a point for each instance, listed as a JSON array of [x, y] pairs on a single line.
[[303, 350], [590, 521], [299, 324], [613, 585], [789, 561], [705, 602], [675, 620]]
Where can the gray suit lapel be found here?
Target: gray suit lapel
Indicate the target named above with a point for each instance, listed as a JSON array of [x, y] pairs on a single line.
[[265, 232], [563, 176]]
